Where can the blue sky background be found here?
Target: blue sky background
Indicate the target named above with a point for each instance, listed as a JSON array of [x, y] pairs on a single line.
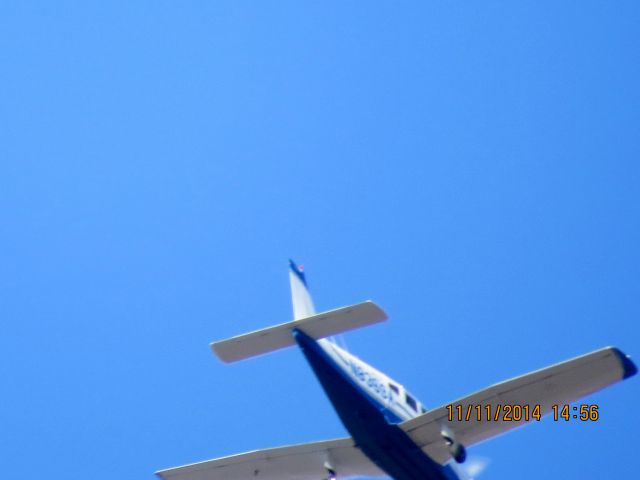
[[470, 166]]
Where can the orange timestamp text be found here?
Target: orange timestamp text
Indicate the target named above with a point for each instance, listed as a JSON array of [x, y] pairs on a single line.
[[504, 412]]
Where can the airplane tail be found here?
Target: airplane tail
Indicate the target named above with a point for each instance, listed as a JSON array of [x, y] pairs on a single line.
[[316, 326], [300, 296]]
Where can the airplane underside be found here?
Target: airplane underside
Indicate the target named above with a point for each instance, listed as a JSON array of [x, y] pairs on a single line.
[[370, 424], [392, 433]]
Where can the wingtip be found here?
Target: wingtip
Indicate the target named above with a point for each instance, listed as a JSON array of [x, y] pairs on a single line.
[[219, 352], [629, 369], [384, 315], [160, 473]]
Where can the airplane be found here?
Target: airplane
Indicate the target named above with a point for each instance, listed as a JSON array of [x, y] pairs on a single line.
[[392, 434]]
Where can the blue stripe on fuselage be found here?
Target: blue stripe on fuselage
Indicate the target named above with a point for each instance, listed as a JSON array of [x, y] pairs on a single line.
[[370, 424]]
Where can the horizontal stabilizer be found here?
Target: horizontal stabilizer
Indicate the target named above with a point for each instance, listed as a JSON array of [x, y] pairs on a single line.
[[318, 326]]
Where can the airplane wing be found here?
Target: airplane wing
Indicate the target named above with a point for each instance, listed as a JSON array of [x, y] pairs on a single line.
[[295, 462], [559, 384]]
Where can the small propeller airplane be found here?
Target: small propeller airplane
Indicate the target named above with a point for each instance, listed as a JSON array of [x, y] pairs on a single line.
[[392, 433]]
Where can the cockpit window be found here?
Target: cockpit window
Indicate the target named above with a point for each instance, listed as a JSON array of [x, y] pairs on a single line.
[[411, 402], [394, 388]]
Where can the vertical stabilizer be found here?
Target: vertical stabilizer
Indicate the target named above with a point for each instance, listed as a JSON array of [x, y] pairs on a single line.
[[300, 297]]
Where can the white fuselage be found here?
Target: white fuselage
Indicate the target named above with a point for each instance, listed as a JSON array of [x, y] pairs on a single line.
[[387, 392]]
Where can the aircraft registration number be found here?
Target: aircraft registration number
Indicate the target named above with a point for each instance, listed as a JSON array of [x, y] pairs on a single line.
[[369, 380]]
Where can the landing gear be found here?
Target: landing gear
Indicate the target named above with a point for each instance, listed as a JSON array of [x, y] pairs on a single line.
[[456, 450], [331, 473]]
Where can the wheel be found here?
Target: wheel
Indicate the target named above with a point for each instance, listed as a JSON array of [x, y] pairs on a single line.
[[458, 452]]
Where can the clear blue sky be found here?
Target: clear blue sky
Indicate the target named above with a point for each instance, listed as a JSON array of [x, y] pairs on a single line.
[[473, 167]]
